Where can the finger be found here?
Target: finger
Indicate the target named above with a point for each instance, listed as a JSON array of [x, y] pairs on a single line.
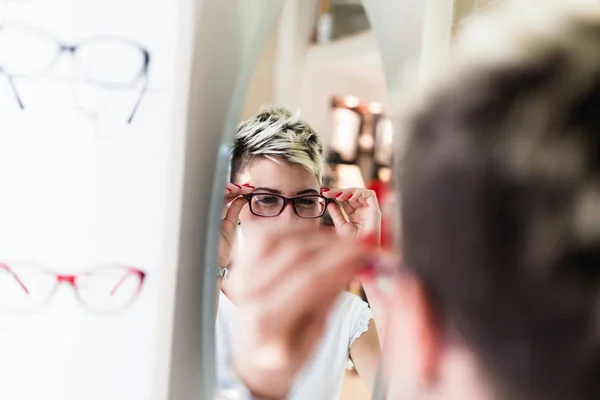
[[372, 212], [340, 198], [290, 308], [336, 214], [338, 194], [330, 193], [362, 198], [369, 198], [334, 194], [350, 199], [233, 211], [345, 194], [276, 256], [349, 209], [233, 190], [305, 294], [353, 201], [232, 187], [263, 246], [327, 273]]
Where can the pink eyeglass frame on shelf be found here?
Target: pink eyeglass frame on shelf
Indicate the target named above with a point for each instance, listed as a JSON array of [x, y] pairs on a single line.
[[71, 280]]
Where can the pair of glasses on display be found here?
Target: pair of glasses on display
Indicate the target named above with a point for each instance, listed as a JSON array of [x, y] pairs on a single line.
[[271, 205], [25, 286], [104, 61]]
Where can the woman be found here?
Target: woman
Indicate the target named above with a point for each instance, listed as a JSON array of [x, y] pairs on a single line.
[[276, 173]]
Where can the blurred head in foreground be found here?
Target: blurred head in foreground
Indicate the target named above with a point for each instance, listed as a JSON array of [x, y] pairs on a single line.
[[501, 216]]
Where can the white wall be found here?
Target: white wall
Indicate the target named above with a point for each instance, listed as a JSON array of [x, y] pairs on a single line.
[[82, 189], [262, 85], [291, 74], [418, 41]]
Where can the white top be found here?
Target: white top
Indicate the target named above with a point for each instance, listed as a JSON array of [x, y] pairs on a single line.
[[323, 374]]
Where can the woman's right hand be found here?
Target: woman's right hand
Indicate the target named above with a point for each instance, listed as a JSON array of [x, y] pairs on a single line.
[[233, 205]]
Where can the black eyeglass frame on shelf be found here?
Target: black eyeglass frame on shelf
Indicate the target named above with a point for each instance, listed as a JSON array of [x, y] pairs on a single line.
[[286, 201], [72, 49]]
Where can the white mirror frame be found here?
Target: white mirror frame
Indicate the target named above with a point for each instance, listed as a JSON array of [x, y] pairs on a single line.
[[227, 39]]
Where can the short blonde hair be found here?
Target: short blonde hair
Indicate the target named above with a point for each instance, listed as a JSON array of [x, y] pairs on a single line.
[[277, 133]]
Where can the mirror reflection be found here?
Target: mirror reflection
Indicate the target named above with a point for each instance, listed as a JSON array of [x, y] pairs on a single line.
[[495, 295], [316, 158], [492, 293]]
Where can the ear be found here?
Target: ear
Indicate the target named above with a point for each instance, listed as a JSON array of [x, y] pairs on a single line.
[[413, 340]]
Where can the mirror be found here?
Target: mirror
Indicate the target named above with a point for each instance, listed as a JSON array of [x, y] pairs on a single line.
[[343, 101], [320, 71]]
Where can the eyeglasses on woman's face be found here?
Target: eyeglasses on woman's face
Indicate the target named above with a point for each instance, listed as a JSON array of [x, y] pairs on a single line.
[[271, 205]]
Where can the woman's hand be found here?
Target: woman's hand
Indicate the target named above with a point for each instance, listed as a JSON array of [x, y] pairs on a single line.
[[363, 221], [231, 210], [362, 211], [288, 284]]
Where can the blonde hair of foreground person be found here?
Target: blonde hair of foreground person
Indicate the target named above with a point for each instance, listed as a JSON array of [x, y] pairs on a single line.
[[498, 298]]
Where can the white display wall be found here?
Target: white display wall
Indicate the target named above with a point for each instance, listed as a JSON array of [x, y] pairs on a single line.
[[80, 187]]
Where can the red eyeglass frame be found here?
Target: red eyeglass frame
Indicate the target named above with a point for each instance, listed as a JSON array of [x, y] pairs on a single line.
[[71, 279], [286, 201]]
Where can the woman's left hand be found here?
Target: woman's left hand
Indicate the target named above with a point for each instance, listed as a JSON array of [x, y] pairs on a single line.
[[362, 211]]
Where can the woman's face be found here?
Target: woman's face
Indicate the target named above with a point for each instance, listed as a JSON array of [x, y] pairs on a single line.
[[289, 180]]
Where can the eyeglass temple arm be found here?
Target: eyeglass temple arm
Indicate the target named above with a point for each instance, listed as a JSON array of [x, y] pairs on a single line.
[[139, 100], [144, 88], [13, 87], [7, 269], [141, 274]]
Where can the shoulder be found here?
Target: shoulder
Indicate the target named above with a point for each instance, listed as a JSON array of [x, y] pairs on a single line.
[[350, 302], [354, 314], [348, 310]]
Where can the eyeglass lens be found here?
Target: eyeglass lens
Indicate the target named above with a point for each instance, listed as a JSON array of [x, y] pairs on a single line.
[[109, 289], [268, 205], [25, 52]]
